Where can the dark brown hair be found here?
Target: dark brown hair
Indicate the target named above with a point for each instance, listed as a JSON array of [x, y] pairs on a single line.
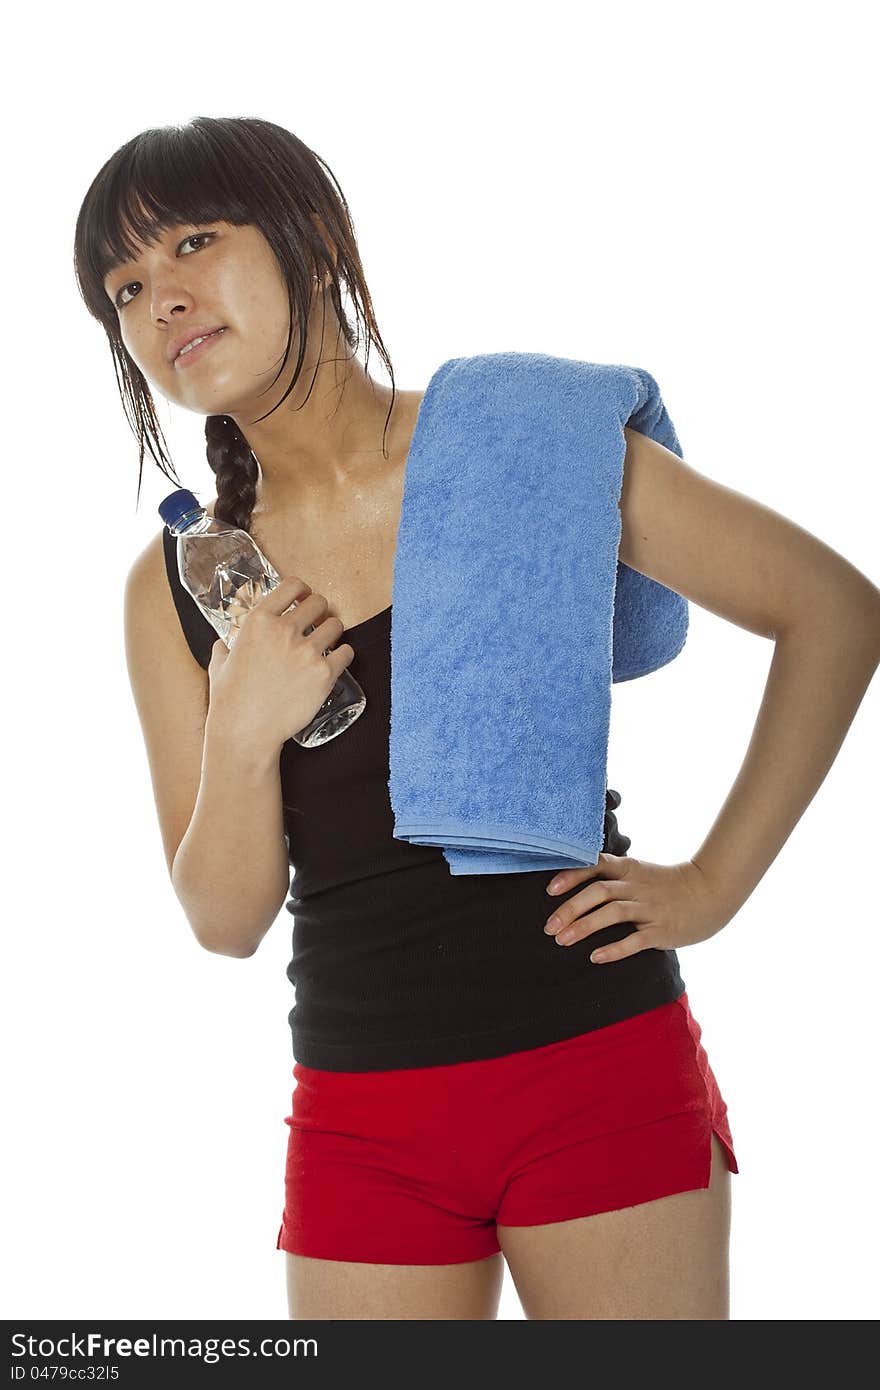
[[240, 170]]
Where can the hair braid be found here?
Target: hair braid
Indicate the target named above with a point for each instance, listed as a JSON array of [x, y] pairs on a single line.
[[235, 468]]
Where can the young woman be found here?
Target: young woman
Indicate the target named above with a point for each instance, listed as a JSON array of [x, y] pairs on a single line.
[[472, 1085]]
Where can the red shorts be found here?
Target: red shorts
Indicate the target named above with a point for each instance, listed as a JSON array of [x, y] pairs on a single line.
[[416, 1166]]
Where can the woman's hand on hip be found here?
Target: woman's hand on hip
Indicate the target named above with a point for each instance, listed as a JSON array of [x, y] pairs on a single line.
[[672, 905]]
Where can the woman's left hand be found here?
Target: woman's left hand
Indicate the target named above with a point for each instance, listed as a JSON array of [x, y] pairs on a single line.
[[672, 905]]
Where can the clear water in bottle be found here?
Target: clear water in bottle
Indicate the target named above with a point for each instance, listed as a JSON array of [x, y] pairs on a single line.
[[226, 573]]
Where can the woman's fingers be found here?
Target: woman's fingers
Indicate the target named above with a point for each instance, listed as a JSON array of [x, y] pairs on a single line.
[[627, 946], [598, 891], [600, 901], [570, 878]]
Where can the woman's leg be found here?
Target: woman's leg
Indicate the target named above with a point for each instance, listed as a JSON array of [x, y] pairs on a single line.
[[339, 1289], [662, 1259]]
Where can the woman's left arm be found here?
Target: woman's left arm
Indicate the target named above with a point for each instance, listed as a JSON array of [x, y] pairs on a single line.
[[752, 566]]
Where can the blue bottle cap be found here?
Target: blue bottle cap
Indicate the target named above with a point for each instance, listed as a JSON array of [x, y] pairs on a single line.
[[177, 504]]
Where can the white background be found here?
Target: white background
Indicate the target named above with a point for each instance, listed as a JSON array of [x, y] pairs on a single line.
[[685, 188]]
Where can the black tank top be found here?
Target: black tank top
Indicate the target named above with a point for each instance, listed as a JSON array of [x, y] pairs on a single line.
[[396, 962]]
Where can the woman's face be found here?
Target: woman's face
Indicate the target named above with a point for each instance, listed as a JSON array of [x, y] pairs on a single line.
[[201, 277]]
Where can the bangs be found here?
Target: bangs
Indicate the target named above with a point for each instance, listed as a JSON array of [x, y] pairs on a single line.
[[173, 177]]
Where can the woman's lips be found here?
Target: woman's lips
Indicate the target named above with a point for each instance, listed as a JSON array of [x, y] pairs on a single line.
[[184, 359]]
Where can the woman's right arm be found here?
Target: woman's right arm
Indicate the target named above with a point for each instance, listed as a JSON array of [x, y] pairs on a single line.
[[219, 803], [231, 871]]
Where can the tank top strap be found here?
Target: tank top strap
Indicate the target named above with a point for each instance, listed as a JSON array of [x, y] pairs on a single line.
[[199, 633]]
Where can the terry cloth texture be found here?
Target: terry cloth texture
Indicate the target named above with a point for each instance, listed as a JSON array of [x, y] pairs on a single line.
[[512, 615]]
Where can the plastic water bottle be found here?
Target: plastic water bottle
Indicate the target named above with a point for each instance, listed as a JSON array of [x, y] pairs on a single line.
[[226, 573]]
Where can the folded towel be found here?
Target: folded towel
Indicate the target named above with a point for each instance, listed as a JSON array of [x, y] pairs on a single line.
[[511, 614]]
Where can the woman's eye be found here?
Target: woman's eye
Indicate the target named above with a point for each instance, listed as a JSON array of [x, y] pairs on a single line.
[[195, 236]]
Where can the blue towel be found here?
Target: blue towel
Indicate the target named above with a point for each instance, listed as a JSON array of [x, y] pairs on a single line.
[[511, 614]]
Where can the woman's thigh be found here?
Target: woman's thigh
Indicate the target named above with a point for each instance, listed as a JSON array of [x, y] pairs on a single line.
[[341, 1289], [661, 1259]]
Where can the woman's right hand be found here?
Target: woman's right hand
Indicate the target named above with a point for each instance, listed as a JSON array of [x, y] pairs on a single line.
[[273, 680]]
